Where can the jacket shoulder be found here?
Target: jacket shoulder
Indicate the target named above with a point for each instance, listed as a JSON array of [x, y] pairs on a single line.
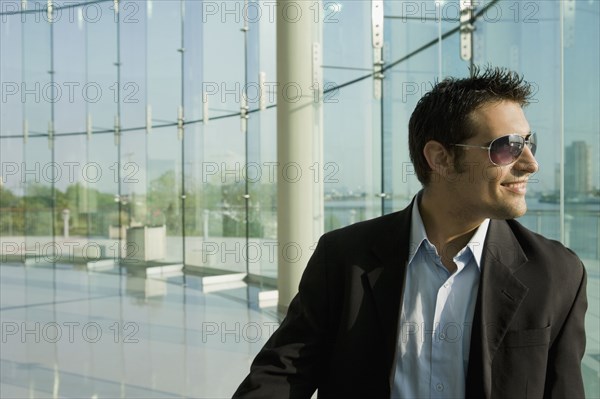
[[368, 230], [538, 247], [550, 263]]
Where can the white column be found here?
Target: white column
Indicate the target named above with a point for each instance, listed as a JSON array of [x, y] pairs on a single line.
[[298, 122]]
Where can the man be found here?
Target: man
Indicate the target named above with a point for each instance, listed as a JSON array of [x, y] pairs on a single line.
[[449, 297]]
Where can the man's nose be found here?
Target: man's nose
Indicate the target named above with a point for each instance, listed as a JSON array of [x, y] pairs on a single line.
[[527, 162]]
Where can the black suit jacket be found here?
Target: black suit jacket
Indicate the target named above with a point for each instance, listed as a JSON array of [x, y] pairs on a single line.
[[340, 334]]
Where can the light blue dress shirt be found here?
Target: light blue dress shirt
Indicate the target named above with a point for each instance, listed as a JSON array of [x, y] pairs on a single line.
[[434, 334]]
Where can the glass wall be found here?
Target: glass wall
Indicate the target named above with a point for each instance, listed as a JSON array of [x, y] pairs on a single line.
[[580, 163], [143, 134]]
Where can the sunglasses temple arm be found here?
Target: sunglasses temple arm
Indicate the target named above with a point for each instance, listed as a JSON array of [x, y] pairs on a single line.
[[472, 146]]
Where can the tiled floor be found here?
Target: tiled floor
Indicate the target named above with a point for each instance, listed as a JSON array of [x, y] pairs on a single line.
[[69, 332]]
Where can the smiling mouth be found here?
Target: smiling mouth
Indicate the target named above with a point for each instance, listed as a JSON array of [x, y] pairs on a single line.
[[519, 187]]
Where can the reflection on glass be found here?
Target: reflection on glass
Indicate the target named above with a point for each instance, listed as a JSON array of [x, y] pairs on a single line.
[[164, 54]]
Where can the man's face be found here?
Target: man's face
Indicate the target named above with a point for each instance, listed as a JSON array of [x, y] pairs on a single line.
[[486, 190]]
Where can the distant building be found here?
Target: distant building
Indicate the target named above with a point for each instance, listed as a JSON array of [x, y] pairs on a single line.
[[578, 169]]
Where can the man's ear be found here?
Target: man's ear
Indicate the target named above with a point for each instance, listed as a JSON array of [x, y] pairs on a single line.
[[439, 159]]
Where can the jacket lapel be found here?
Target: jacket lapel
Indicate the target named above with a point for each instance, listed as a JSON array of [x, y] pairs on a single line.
[[500, 295], [386, 279]]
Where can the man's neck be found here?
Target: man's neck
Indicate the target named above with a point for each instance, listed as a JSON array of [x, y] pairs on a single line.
[[446, 228]]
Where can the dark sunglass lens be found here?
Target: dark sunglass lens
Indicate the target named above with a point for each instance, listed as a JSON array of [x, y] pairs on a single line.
[[505, 150], [517, 144]]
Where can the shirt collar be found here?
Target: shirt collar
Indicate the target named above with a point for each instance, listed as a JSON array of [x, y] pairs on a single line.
[[417, 230], [418, 235], [475, 244]]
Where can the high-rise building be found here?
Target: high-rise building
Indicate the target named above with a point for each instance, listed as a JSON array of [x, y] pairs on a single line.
[[578, 169]]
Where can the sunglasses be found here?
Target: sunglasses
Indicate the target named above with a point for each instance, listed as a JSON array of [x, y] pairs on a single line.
[[507, 149]]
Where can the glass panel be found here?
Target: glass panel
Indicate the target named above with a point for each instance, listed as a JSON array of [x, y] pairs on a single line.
[[164, 145], [164, 60], [11, 75], [196, 216], [262, 187], [347, 41], [351, 177], [223, 65], [101, 178], [133, 155], [581, 170], [12, 212], [163, 197], [38, 168], [133, 52], [74, 210], [218, 147], [261, 150], [133, 187], [101, 90], [102, 149], [221, 195], [351, 118], [75, 205], [193, 105], [69, 74]]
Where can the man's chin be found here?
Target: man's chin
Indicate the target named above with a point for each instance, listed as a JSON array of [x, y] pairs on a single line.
[[518, 212], [511, 212]]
